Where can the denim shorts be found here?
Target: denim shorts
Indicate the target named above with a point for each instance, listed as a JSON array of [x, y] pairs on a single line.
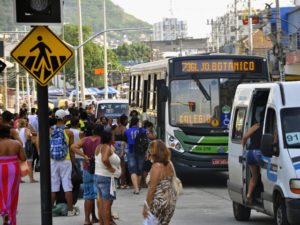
[[103, 185], [89, 189], [253, 157], [136, 163]]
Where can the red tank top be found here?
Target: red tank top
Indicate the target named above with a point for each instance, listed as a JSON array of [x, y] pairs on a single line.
[[89, 147]]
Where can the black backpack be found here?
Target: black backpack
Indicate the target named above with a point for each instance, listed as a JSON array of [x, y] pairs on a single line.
[[141, 142]]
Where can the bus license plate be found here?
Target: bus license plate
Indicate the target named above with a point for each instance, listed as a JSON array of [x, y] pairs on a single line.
[[217, 162]]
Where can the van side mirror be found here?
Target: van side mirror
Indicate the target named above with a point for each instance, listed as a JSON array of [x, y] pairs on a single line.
[[266, 145]]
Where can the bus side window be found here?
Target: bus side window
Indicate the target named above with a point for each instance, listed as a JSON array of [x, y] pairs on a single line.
[[138, 91], [130, 90], [148, 91], [238, 126]]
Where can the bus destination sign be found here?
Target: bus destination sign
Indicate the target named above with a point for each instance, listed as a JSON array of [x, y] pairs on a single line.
[[219, 66]]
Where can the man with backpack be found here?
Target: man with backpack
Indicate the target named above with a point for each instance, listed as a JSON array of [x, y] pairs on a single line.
[[61, 166], [137, 146]]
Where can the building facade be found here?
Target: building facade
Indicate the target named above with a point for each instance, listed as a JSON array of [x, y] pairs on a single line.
[[292, 67], [169, 29]]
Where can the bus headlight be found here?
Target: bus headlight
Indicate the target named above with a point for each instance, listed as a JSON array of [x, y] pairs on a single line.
[[175, 144], [178, 146], [295, 186]]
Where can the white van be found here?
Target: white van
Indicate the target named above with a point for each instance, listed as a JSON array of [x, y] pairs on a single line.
[[277, 192]]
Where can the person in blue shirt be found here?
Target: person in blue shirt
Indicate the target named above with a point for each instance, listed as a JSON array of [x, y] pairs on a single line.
[[135, 158]]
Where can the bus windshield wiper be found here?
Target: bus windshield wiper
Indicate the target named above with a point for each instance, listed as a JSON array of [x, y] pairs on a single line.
[[202, 89]]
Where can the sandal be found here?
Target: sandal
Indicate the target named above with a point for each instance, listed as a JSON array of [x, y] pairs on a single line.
[[112, 222], [94, 221], [136, 193], [248, 201], [5, 219]]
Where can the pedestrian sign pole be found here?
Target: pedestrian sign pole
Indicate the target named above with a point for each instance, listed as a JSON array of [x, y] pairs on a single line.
[[42, 54]]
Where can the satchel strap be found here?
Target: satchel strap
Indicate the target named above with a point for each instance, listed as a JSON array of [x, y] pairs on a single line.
[[174, 172]]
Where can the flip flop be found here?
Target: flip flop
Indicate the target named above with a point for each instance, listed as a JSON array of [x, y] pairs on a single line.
[[94, 221], [5, 218], [136, 193]]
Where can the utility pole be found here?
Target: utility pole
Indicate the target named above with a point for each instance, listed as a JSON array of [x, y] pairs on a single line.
[[217, 36], [64, 69], [279, 42], [76, 77], [5, 75], [250, 38], [17, 104], [236, 27], [105, 52], [28, 91], [81, 60], [33, 92]]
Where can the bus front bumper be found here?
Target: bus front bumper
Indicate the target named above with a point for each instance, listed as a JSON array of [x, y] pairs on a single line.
[[187, 161]]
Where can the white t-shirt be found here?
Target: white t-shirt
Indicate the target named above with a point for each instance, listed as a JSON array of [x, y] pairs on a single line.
[[76, 138]]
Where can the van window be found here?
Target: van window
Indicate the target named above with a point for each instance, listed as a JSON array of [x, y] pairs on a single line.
[[271, 124], [291, 129], [238, 126]]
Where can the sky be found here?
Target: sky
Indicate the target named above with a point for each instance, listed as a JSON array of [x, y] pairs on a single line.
[[194, 12]]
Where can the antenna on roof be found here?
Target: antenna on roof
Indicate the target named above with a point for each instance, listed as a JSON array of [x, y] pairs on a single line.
[[171, 8]]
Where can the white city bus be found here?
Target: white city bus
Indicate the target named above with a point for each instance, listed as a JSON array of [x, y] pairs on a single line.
[[189, 100]]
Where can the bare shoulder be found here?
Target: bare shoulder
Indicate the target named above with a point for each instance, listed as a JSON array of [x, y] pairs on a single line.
[[157, 165], [69, 133], [15, 143]]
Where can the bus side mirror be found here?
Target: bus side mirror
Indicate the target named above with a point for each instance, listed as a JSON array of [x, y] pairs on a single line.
[[266, 145], [163, 93]]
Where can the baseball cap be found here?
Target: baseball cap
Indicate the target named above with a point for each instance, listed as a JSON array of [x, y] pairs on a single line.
[[60, 114]]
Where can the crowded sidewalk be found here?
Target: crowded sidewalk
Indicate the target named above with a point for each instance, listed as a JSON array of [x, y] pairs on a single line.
[[128, 207]]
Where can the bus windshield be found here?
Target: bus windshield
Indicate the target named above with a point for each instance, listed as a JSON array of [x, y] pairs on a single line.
[[203, 103], [112, 110]]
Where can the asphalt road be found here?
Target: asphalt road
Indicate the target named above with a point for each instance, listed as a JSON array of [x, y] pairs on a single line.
[[205, 201]]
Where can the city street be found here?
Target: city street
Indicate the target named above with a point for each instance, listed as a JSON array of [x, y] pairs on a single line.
[[205, 201]]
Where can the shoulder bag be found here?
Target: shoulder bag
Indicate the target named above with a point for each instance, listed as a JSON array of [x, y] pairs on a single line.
[[176, 183]]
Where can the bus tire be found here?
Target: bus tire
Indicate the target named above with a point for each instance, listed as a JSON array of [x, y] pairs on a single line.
[[280, 211], [240, 212]]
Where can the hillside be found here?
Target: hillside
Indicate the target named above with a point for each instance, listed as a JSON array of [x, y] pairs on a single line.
[[92, 15]]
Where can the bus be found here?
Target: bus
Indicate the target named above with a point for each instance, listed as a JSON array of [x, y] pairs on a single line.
[[189, 101]]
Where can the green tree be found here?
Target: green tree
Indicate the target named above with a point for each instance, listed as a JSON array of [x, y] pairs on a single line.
[[93, 56], [134, 52]]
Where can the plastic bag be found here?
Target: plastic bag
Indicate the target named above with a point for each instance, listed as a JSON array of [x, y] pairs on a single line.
[[151, 219]]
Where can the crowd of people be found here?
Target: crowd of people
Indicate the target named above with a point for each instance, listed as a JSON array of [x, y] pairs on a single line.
[[111, 154]]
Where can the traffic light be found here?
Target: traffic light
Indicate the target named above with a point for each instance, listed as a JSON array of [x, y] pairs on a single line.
[[38, 12], [192, 106]]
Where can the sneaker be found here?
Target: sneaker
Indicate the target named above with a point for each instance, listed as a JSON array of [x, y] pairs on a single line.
[[72, 213]]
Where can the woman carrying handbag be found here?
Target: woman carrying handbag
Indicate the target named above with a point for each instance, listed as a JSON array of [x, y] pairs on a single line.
[[161, 198]]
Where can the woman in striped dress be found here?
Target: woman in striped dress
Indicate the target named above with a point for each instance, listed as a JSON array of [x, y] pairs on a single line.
[[10, 152]]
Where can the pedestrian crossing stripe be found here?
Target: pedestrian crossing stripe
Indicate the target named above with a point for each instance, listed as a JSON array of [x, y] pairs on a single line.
[[42, 54]]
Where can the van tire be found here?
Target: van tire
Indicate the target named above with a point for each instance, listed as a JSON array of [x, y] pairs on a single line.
[[280, 211], [240, 212]]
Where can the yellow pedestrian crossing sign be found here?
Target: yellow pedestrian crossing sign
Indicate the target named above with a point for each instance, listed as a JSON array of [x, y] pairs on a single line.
[[42, 54]]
